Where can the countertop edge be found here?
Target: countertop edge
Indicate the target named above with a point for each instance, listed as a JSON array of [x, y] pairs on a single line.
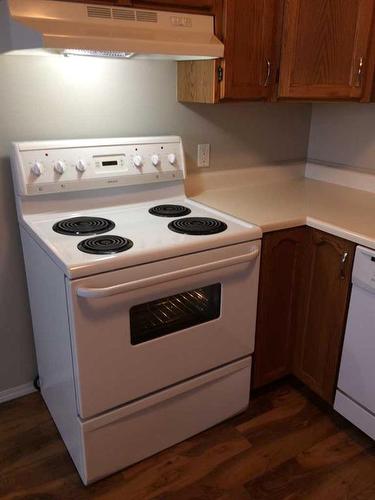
[[341, 232]]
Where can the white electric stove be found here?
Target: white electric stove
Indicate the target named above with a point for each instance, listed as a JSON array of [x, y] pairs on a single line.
[[143, 301]]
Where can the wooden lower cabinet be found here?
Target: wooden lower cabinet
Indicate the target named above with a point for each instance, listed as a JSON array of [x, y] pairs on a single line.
[[303, 301], [318, 346], [280, 300]]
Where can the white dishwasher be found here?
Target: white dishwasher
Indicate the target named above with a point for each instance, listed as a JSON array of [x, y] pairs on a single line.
[[355, 396]]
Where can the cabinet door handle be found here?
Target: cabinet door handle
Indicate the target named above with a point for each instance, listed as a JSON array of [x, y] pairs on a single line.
[[267, 79], [344, 258], [360, 73]]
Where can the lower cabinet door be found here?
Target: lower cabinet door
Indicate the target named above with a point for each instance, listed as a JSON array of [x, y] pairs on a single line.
[[280, 303], [319, 342]]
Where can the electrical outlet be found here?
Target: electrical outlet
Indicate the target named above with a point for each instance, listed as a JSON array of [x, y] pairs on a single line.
[[203, 155]]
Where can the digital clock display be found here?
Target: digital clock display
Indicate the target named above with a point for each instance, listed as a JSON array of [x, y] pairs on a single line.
[[110, 163]]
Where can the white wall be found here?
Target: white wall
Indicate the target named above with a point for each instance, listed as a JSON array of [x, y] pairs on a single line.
[[343, 133], [56, 97]]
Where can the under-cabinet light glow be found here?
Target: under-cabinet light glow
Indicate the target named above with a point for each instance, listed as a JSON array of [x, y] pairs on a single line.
[[98, 53]]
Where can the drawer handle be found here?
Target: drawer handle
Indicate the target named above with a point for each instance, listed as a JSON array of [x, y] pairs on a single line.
[[344, 258]]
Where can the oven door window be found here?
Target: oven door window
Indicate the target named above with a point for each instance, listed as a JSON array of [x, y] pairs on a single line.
[[177, 312]]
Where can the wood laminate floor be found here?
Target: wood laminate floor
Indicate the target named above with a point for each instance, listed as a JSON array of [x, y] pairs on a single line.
[[284, 447]]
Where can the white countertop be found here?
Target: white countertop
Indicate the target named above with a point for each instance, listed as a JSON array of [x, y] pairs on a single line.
[[345, 212]]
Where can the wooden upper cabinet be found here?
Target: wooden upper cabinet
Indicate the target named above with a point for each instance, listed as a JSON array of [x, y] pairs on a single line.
[[325, 48], [249, 30], [195, 6], [319, 340], [249, 36]]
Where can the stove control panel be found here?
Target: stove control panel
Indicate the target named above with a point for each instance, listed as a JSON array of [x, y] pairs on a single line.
[[58, 166]]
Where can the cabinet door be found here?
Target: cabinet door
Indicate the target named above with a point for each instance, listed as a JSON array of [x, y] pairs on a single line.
[[249, 36], [319, 343], [280, 303], [324, 48], [197, 6]]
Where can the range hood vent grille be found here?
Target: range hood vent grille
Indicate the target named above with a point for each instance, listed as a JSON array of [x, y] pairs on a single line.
[[147, 16], [123, 14], [101, 12], [143, 16]]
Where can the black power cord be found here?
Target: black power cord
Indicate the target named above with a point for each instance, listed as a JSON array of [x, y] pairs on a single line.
[[36, 383]]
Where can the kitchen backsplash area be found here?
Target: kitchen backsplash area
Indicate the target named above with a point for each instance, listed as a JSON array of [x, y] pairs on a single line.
[[343, 133], [57, 97]]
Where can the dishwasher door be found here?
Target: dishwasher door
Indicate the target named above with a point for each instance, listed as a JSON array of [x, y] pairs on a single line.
[[355, 397]]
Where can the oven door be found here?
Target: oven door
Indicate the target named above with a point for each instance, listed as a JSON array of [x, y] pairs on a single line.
[[138, 330]]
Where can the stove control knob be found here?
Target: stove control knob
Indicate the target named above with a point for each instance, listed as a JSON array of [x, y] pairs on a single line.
[[37, 169], [155, 160], [81, 166], [137, 160], [172, 158], [60, 167]]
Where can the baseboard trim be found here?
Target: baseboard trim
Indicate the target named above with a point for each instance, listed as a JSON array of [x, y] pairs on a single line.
[[16, 392]]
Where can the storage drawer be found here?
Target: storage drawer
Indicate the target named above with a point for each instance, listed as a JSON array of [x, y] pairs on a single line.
[[135, 431]]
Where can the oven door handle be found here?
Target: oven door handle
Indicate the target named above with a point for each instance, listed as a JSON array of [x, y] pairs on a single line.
[[97, 293]]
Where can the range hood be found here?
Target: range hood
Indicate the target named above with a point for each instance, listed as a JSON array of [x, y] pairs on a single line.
[[87, 29]]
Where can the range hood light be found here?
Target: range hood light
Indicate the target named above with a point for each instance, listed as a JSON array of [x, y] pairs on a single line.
[[98, 53]]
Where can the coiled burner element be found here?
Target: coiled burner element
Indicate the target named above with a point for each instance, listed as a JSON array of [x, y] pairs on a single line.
[[197, 226], [170, 211], [104, 245], [78, 226]]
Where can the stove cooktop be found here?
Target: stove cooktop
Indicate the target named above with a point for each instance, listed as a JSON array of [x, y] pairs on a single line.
[[132, 235], [112, 244]]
